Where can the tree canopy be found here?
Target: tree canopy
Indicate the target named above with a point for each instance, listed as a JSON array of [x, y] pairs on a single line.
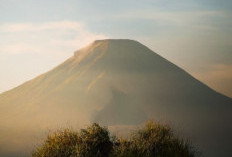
[[153, 140]]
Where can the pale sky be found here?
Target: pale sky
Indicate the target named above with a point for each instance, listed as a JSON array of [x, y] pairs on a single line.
[[37, 35]]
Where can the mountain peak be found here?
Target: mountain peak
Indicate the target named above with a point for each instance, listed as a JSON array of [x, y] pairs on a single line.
[[116, 82], [110, 44], [102, 42], [114, 40]]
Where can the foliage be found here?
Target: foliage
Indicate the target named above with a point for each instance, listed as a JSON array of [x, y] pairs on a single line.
[[154, 140], [95, 142], [61, 143], [91, 142]]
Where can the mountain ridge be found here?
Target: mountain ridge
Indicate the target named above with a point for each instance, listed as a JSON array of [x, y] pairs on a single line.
[[117, 82], [104, 41]]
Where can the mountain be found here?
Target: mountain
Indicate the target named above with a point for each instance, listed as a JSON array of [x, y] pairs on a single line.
[[115, 82]]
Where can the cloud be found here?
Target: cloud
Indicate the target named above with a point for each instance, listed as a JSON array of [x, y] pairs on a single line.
[[28, 49], [192, 19], [45, 38], [17, 48], [26, 27]]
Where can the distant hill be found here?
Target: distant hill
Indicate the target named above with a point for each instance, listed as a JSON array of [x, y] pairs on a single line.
[[115, 82]]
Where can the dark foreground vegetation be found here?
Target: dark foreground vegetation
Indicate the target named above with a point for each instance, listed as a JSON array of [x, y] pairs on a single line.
[[154, 140]]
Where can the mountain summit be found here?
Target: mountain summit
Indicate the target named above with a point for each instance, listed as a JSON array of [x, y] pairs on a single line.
[[115, 82]]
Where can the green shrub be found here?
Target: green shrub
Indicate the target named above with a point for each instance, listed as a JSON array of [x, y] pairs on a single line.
[[95, 142], [58, 144], [91, 142], [154, 140]]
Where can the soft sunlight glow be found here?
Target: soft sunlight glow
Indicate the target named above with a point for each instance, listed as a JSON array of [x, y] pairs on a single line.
[[38, 42]]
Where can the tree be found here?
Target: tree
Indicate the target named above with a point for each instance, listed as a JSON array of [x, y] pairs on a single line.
[[154, 140], [91, 142]]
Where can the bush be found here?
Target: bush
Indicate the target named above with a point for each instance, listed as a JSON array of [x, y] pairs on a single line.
[[95, 142], [91, 142], [61, 143], [154, 140]]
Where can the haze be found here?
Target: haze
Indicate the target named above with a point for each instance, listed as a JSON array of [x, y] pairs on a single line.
[[115, 82], [35, 36]]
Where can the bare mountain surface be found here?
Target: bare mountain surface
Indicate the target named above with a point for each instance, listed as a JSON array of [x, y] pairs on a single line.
[[116, 83]]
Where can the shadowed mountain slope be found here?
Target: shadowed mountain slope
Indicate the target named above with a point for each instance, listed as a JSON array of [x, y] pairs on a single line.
[[116, 82]]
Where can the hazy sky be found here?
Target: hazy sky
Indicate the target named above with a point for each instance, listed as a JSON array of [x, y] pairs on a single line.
[[36, 35]]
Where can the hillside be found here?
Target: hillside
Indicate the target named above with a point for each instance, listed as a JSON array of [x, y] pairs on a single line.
[[115, 82]]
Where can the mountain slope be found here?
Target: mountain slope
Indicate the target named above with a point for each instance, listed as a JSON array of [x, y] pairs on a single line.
[[116, 82]]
